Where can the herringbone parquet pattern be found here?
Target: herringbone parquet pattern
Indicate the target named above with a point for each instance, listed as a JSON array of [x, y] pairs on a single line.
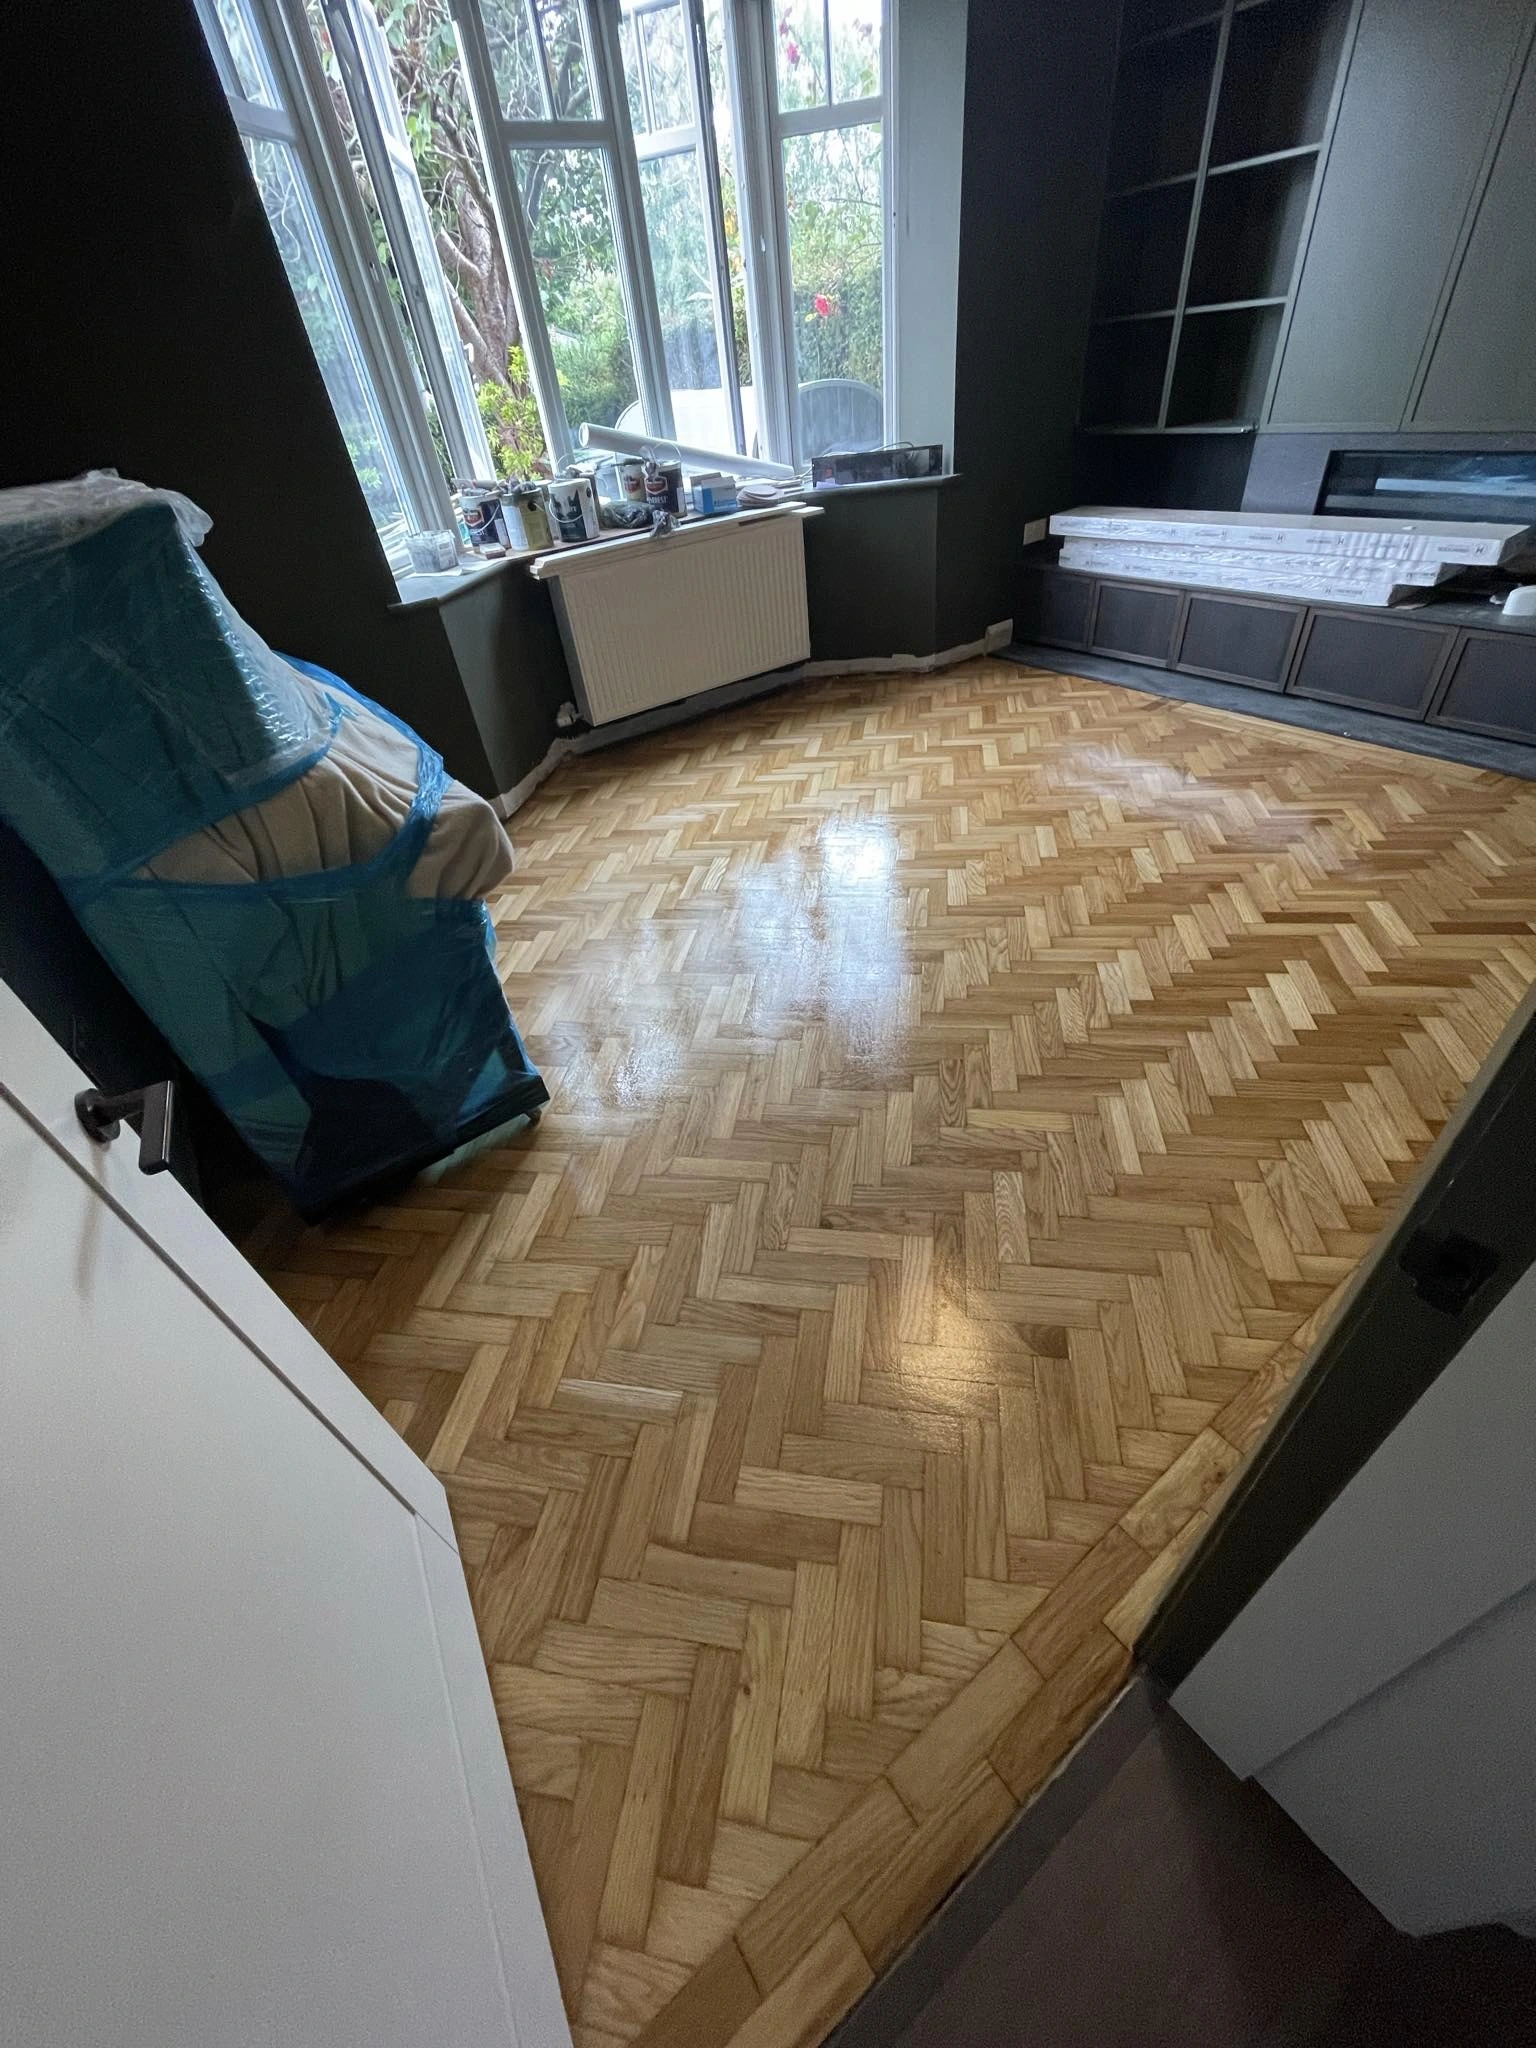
[[965, 1090]]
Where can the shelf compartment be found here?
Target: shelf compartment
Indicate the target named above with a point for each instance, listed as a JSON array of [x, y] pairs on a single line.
[[1126, 365], [1160, 108], [1278, 78], [1250, 230], [1146, 20], [1223, 366], [1141, 251], [1193, 427]]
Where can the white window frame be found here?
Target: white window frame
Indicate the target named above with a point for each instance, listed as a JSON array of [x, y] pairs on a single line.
[[305, 121], [608, 131], [363, 58], [699, 136], [759, 128]]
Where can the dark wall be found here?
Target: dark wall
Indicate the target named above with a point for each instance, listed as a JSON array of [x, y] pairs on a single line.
[[506, 648], [869, 572], [1038, 83], [147, 326]]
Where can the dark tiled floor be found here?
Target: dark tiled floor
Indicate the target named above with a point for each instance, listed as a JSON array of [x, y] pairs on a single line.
[[1150, 1900], [1439, 742]]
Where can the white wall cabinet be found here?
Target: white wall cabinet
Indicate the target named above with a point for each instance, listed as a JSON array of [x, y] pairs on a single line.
[[1379, 1683], [251, 1785]]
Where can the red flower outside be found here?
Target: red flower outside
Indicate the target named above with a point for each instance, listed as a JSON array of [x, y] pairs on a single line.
[[822, 304]]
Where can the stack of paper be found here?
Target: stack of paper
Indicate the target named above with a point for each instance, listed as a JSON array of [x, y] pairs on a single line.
[[1339, 561]]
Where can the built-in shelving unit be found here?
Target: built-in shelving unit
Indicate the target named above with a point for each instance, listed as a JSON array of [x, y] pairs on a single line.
[[1221, 115]]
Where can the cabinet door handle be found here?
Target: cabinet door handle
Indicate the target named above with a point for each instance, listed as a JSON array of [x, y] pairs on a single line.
[[149, 1110]]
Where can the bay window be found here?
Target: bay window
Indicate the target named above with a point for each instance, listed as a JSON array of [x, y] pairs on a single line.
[[268, 68], [694, 198], [505, 221]]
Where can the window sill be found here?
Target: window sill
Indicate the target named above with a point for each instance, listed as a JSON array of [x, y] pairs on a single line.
[[438, 587], [822, 494], [442, 587]]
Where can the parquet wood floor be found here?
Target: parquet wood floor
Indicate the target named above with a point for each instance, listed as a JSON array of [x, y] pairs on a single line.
[[966, 1089]]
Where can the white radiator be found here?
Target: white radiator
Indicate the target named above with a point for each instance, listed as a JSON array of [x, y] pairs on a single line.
[[647, 620]]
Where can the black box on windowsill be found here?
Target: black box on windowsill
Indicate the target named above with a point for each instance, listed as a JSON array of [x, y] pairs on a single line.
[[877, 465]]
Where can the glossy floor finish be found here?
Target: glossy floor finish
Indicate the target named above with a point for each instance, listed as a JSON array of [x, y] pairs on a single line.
[[966, 1089]]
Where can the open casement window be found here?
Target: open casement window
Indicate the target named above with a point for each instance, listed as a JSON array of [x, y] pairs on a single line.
[[270, 74], [693, 198], [554, 119], [363, 58]]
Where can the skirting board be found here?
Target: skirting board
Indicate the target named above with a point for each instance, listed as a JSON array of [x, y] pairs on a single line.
[[689, 708]]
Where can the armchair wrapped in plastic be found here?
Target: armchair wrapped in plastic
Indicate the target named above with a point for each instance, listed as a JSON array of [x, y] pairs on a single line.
[[280, 872]]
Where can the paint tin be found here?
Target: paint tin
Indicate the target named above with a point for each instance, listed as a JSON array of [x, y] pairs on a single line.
[[629, 474], [512, 520], [573, 510], [657, 494], [481, 512], [534, 513]]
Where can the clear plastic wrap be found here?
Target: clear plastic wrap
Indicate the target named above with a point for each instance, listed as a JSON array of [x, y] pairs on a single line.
[[344, 1012]]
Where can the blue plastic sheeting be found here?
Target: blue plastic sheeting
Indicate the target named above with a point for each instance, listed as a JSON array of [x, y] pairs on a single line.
[[347, 1027]]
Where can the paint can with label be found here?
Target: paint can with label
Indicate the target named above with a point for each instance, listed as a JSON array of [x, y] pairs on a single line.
[[573, 510], [657, 495], [629, 475], [480, 510], [533, 511]]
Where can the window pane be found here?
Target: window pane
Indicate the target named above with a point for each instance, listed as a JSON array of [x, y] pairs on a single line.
[[666, 65], [514, 59], [855, 26], [801, 43], [835, 209], [520, 62], [296, 230], [246, 54], [680, 259], [560, 24], [570, 227], [472, 291], [725, 150]]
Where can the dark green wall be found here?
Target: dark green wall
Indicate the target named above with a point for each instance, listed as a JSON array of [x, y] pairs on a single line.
[[1038, 82], [870, 572]]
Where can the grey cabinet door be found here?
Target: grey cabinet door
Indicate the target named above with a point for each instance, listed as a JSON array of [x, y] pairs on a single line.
[[1425, 86], [1239, 640], [1483, 371], [1375, 662], [1137, 621]]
